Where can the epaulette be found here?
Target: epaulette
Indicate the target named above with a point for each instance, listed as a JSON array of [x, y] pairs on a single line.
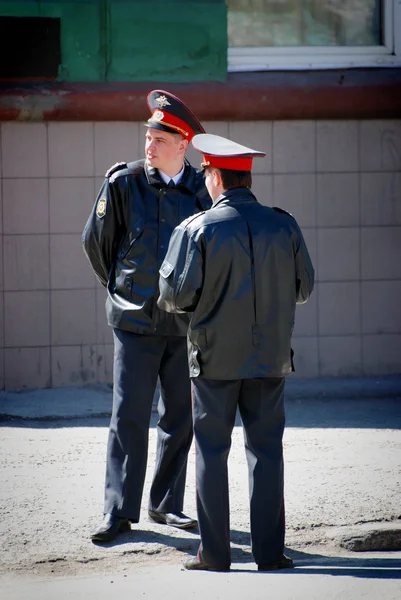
[[117, 167], [189, 220], [279, 209]]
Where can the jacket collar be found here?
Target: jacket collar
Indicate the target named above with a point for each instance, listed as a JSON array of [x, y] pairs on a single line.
[[235, 195], [187, 180]]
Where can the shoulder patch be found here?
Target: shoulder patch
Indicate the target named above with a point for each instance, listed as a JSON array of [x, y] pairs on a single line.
[[101, 207], [189, 220], [117, 167], [279, 209]]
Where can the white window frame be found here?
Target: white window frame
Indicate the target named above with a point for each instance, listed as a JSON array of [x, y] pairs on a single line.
[[325, 57]]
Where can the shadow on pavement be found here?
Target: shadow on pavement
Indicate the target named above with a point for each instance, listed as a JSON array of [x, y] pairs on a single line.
[[306, 562], [364, 413]]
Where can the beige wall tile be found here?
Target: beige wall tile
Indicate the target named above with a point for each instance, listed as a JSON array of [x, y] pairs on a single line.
[[71, 201], [105, 353], [381, 307], [305, 356], [339, 308], [26, 262], [24, 150], [1, 320], [381, 198], [117, 142], [73, 365], [25, 206], [27, 318], [338, 199], [310, 237], [262, 187], [337, 146], [73, 317], [69, 268], [1, 200], [2, 378], [340, 356], [381, 252], [297, 195], [381, 354], [27, 368], [258, 136], [104, 333], [306, 317], [216, 128], [1, 264], [380, 145], [339, 255], [294, 145], [71, 152]]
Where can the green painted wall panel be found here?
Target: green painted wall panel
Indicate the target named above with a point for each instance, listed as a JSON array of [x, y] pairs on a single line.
[[81, 34], [164, 41], [136, 40]]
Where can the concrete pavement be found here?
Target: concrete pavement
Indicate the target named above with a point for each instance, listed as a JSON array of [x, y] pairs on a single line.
[[343, 489]]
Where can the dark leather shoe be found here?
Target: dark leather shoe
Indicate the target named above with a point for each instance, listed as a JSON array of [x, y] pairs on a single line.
[[173, 519], [283, 563], [195, 564], [110, 528]]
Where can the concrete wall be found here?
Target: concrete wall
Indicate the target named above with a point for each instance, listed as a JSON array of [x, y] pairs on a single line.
[[340, 179]]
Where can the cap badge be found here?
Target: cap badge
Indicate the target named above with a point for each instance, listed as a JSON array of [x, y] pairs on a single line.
[[162, 101], [158, 115], [101, 207]]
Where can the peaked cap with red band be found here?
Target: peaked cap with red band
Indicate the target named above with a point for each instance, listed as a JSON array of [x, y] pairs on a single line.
[[222, 153], [169, 113]]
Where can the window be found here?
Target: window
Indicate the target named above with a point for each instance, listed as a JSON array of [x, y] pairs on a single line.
[[302, 34], [29, 47]]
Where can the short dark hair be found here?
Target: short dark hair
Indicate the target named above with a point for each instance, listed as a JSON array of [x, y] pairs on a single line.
[[233, 179]]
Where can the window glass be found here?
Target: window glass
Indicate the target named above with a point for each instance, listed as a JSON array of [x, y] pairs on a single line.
[[304, 23], [29, 47]]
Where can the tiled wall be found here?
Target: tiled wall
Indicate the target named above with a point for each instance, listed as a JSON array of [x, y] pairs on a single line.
[[340, 179]]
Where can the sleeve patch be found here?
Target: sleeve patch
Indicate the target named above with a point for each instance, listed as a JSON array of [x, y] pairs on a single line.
[[101, 207]]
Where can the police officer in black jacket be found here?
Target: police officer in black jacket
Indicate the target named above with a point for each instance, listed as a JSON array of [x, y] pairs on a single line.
[[125, 240], [239, 269]]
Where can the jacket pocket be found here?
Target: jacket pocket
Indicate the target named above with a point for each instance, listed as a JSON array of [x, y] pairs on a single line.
[[131, 237], [166, 269]]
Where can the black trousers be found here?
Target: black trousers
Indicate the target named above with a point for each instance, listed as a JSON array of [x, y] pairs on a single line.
[[261, 406], [138, 361]]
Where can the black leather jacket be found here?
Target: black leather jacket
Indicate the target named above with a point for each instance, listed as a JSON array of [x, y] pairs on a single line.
[[126, 238], [240, 268]]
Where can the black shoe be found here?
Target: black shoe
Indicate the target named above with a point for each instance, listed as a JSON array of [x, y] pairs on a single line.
[[282, 563], [110, 528], [195, 564], [173, 519]]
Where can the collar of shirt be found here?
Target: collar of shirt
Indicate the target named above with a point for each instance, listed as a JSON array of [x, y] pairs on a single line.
[[176, 178]]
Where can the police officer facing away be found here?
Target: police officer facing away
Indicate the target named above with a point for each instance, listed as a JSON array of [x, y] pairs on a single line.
[[125, 240], [239, 269]]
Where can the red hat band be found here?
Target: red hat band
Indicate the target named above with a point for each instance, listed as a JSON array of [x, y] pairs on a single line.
[[233, 163], [173, 122]]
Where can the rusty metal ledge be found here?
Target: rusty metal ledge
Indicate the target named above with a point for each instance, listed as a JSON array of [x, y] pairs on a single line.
[[330, 94]]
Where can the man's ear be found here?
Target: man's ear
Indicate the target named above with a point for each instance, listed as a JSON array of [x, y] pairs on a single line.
[[216, 177], [183, 145]]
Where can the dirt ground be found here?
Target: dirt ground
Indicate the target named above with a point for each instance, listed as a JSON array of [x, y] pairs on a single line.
[[51, 492]]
